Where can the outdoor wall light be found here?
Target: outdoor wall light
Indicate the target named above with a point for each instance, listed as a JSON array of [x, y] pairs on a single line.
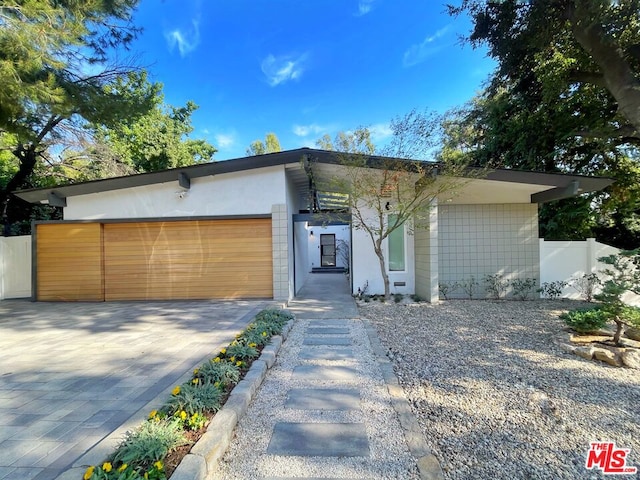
[[311, 233], [388, 206]]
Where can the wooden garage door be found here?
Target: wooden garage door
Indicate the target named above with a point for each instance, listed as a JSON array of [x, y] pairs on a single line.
[[195, 259], [69, 262]]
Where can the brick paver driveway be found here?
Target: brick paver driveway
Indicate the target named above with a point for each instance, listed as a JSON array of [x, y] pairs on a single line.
[[72, 374]]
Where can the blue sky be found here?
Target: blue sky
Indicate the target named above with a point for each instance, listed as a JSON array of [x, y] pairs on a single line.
[[305, 68]]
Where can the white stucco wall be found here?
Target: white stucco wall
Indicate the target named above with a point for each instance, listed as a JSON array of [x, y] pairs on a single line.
[[342, 233], [366, 266], [15, 267], [239, 193], [482, 240]]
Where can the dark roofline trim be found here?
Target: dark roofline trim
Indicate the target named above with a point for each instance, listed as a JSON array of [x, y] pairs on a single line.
[[37, 195]]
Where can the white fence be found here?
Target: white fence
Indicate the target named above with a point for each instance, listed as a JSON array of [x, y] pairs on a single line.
[[571, 260], [15, 267]]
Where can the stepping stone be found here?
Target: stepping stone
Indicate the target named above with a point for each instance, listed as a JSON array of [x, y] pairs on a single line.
[[322, 373], [319, 440], [327, 331], [323, 399], [327, 341], [339, 353]]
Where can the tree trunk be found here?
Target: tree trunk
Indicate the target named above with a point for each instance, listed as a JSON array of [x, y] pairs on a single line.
[[618, 334], [385, 278], [27, 156], [618, 75]]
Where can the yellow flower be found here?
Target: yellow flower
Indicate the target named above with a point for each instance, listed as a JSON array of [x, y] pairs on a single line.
[[223, 351], [232, 359], [176, 390], [216, 384], [106, 466], [195, 372], [253, 345], [159, 466], [146, 476], [183, 415], [88, 473], [153, 414], [238, 364], [123, 467], [264, 334], [195, 381]]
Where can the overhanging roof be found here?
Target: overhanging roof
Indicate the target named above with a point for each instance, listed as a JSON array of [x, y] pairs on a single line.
[[559, 185]]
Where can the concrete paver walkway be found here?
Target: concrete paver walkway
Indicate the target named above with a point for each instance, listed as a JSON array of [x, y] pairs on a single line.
[[72, 374], [325, 409]]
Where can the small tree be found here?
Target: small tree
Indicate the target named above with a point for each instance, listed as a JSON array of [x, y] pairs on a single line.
[[271, 144], [623, 275], [399, 189]]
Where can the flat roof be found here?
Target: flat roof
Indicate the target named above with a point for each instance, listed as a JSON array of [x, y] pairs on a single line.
[[560, 185]]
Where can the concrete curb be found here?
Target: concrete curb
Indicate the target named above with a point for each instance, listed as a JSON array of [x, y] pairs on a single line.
[[207, 451], [428, 464]]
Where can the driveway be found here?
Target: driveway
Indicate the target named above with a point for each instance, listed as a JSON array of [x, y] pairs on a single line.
[[75, 376]]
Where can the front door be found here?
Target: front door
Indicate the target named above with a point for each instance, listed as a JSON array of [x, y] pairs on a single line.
[[328, 250]]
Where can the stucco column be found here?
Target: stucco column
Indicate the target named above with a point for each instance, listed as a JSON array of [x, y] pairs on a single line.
[[426, 257], [279, 231], [433, 287]]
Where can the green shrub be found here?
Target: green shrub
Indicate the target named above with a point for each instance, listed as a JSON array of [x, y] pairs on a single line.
[[631, 315], [253, 335], [417, 298], [553, 290], [468, 286], [196, 398], [240, 351], [398, 297], [584, 321], [149, 443], [221, 372], [523, 287], [447, 288], [496, 285]]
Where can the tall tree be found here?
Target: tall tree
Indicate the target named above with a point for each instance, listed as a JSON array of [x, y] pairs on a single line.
[[554, 105], [271, 144], [395, 190], [55, 76]]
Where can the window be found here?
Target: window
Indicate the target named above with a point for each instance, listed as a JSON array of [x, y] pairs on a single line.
[[396, 246]]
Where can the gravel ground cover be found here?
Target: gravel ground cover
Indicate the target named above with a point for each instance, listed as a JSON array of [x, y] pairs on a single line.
[[495, 395], [389, 458]]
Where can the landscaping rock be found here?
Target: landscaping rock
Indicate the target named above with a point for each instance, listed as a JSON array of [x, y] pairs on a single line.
[[631, 359], [585, 352], [633, 333], [583, 339], [607, 356]]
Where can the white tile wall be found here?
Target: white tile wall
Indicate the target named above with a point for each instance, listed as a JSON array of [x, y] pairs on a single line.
[[280, 252], [482, 240]]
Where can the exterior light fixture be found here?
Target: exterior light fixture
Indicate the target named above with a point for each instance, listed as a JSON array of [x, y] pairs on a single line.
[[311, 233]]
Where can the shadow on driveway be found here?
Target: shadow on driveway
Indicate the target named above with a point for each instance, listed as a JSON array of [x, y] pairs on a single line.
[[72, 373]]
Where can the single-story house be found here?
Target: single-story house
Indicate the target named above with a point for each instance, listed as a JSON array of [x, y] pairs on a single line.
[[246, 228]]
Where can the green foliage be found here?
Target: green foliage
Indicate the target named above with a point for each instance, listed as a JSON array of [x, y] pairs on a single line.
[[270, 145], [496, 285], [524, 287], [584, 321], [553, 290], [196, 398], [241, 351], [398, 297], [585, 285], [469, 286], [149, 443], [555, 104], [417, 298], [447, 288], [223, 373], [254, 336]]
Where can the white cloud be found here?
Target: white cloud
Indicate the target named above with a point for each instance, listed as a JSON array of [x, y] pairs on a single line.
[[306, 130], [419, 52], [364, 7], [283, 68], [186, 41], [224, 140], [380, 132]]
